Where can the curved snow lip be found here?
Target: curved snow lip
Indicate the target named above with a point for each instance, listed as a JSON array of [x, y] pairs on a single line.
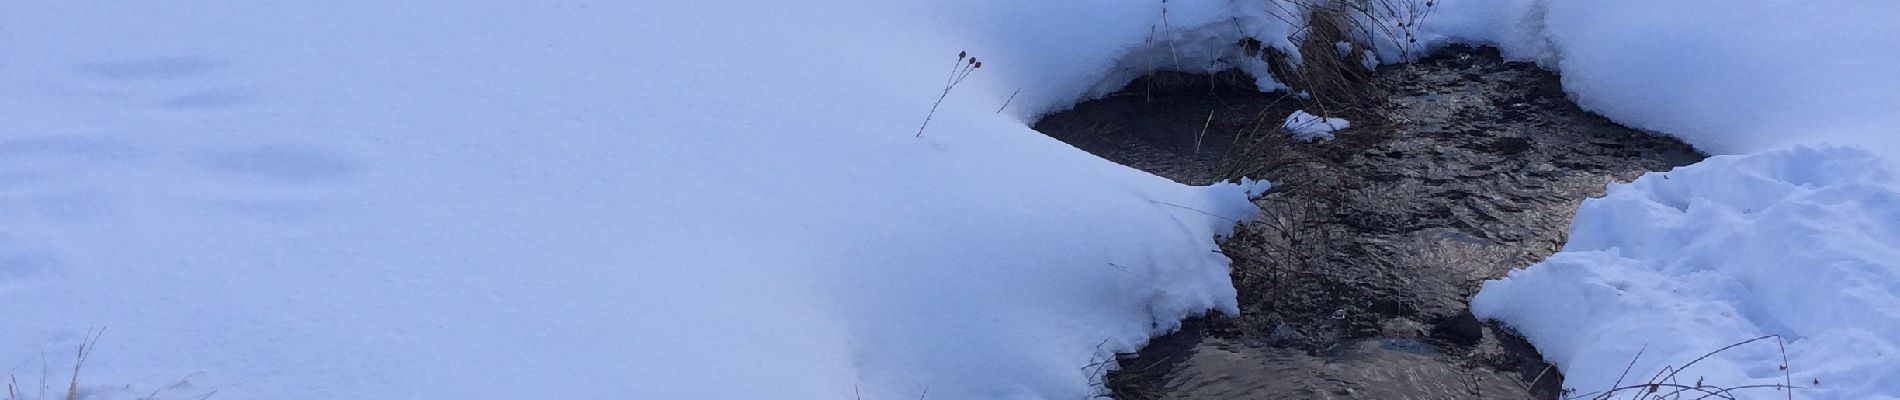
[[1802, 242]]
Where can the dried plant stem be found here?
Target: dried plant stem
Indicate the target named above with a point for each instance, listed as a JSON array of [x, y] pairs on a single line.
[[85, 350], [1203, 134], [1012, 96], [1663, 384], [958, 71], [1164, 26]]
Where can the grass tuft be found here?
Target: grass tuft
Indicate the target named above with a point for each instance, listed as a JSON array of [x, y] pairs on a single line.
[[1666, 384]]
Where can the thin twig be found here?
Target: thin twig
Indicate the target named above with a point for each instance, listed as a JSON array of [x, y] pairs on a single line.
[[1626, 369], [1784, 365], [1124, 270], [1667, 378], [1787, 377], [1204, 125], [1164, 26], [1012, 96], [1193, 209], [1540, 376]]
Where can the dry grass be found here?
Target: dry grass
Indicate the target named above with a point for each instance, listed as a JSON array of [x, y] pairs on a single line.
[[1131, 381], [14, 391], [1667, 383], [1335, 85], [1337, 80], [72, 386]]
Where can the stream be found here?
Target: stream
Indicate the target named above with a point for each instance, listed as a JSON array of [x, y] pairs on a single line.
[[1353, 282]]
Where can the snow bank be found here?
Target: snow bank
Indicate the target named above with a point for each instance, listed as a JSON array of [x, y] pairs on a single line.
[[1802, 243], [394, 200], [1309, 127], [1729, 77], [1797, 242], [1200, 36]]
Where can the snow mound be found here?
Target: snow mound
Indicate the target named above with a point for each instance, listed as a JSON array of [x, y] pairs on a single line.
[[1308, 127], [1802, 243], [1792, 241], [591, 199]]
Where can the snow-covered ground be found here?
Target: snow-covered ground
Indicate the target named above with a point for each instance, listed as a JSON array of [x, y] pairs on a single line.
[[588, 200], [728, 199], [1801, 242]]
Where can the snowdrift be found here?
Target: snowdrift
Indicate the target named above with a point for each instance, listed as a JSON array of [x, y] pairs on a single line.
[[1802, 243], [587, 200], [1797, 242]]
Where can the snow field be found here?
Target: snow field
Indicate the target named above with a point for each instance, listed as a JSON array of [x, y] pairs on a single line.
[[588, 200]]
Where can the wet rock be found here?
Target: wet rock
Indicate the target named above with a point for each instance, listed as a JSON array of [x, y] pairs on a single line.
[[1462, 328], [1286, 335], [1401, 328]]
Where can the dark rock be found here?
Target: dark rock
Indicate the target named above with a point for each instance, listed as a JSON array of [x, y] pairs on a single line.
[[1462, 328], [1401, 328], [1286, 335]]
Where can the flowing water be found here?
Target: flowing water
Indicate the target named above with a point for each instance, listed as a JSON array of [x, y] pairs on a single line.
[[1354, 281]]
